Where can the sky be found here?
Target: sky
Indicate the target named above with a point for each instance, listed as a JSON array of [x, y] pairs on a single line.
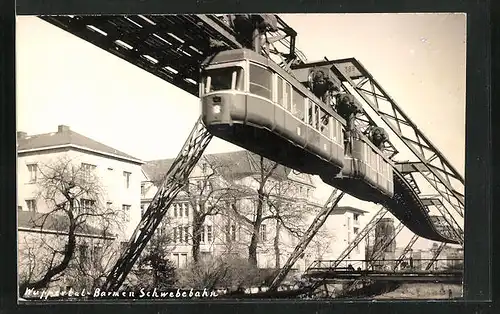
[[419, 59]]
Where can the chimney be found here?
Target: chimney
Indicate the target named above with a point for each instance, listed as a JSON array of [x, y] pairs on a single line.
[[21, 135], [62, 128]]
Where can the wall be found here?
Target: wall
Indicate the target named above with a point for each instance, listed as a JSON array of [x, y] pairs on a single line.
[[344, 229], [35, 250], [109, 170]]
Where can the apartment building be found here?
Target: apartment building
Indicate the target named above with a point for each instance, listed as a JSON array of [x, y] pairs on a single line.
[[118, 175], [224, 232]]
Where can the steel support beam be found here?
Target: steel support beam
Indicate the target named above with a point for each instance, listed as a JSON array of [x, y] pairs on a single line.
[[360, 236], [351, 69], [449, 193], [435, 255], [406, 250], [313, 229], [446, 216], [175, 180]]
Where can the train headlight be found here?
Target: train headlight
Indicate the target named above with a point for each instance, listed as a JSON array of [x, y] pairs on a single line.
[[216, 108]]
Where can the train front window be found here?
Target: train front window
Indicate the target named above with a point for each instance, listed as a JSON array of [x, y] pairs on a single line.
[[223, 79]]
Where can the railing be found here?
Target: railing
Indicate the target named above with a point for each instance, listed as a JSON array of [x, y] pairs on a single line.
[[384, 264]]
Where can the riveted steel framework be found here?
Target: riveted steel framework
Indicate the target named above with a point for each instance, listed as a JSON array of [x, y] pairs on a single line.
[[174, 181], [307, 237], [433, 165], [172, 47]]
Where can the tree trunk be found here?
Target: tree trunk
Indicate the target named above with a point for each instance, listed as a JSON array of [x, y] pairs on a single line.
[[277, 245], [252, 248], [56, 270], [197, 225]]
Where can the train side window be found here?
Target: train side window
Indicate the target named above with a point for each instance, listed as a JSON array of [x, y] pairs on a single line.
[[340, 132], [317, 111], [280, 91], [368, 157], [310, 110], [260, 81], [287, 96], [298, 105], [333, 128], [325, 124]]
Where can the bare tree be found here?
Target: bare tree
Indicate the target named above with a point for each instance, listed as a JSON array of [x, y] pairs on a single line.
[[208, 195], [288, 212], [97, 257], [72, 194], [275, 199]]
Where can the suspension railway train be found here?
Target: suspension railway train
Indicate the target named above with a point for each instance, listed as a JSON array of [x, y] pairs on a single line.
[[250, 101]]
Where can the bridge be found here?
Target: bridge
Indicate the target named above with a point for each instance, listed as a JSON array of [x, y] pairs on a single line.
[[422, 270], [173, 47]]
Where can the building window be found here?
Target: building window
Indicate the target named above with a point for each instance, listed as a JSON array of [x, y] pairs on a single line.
[[202, 234], [33, 170], [143, 189], [31, 204], [87, 169], [83, 250], [233, 232], [86, 203], [97, 252], [180, 259], [127, 178], [123, 246], [186, 234], [356, 217], [181, 238], [175, 210], [186, 209], [109, 204], [263, 234], [230, 233], [209, 234], [179, 210], [142, 210], [126, 211], [175, 235], [349, 223]]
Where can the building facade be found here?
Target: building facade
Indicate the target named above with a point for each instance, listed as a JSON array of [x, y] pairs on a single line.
[[117, 175], [226, 233], [100, 181], [344, 224]]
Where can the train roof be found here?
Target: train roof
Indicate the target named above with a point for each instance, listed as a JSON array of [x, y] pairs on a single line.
[[234, 55]]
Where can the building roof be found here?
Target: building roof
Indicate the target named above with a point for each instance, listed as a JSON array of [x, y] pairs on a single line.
[[155, 170], [232, 165], [65, 137], [59, 223], [243, 163], [340, 210]]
